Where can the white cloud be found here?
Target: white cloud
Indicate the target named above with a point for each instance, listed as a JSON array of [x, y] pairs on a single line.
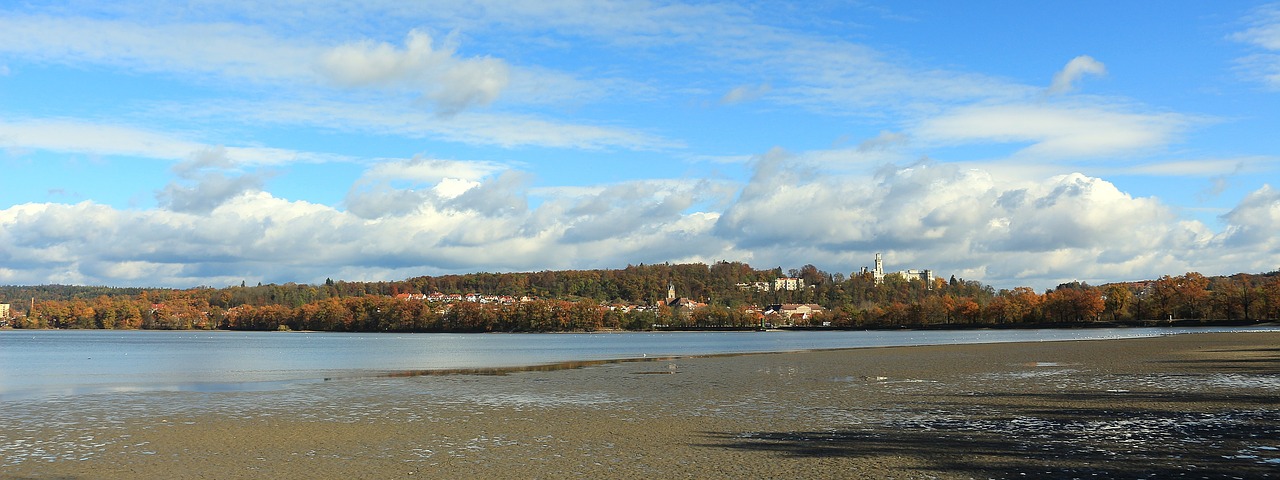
[[1065, 80], [884, 140], [954, 219], [220, 48], [255, 236], [926, 215], [1264, 33], [1055, 131], [291, 78], [745, 93], [476, 128], [406, 186], [242, 51], [403, 218], [425, 170], [207, 192], [90, 138], [1204, 167], [1265, 28], [1255, 223], [204, 183], [1262, 68], [452, 83]]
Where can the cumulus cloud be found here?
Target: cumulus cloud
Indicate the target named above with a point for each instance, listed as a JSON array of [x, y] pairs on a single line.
[[1065, 80], [204, 182], [452, 83], [633, 208], [923, 215], [1255, 222], [956, 219], [504, 196], [413, 217], [205, 159], [255, 236], [402, 187], [429, 170], [206, 193], [1055, 131]]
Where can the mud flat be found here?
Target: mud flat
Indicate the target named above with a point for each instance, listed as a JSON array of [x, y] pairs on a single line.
[[1186, 406]]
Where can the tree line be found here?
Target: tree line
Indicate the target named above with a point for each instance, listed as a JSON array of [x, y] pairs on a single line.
[[631, 299]]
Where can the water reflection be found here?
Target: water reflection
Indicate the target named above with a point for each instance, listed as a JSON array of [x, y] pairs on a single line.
[[61, 363]]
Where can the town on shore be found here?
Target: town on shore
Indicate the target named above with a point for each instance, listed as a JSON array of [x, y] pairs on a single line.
[[724, 295]]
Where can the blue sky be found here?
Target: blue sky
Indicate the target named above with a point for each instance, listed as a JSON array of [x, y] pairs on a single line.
[[1015, 143]]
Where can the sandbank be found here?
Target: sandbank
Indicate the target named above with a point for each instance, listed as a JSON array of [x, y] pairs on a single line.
[[1190, 406]]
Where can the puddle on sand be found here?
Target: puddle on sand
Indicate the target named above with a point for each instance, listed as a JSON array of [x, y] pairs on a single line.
[[878, 379], [1232, 436], [1045, 364]]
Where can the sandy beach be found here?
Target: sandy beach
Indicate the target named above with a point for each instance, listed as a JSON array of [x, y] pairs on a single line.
[[1187, 406]]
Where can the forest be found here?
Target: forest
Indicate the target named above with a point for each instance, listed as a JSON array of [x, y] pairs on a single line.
[[633, 298]]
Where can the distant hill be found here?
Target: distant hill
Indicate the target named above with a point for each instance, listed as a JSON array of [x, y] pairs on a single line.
[[724, 294]]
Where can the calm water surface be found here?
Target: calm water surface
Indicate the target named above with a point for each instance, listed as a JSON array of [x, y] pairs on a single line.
[[37, 364]]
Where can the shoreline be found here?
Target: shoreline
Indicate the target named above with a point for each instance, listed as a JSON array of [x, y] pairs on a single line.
[[1176, 323], [1202, 405]]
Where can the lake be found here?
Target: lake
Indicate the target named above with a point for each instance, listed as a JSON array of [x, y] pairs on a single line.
[[56, 363]]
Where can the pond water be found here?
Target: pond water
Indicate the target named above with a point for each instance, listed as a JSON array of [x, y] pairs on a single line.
[[47, 363]]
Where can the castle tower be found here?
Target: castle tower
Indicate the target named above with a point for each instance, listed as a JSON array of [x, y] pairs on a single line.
[[878, 273]]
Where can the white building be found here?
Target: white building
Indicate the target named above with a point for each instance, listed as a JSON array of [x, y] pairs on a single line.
[[789, 284], [4, 310], [777, 285], [878, 274]]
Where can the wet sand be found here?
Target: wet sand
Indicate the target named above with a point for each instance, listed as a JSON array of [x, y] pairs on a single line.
[[1187, 406]]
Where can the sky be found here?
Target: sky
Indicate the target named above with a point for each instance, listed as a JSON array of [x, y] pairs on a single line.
[[177, 144]]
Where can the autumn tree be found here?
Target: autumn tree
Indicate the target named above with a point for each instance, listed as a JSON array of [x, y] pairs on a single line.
[[1118, 301], [1074, 304], [1269, 297], [1022, 304]]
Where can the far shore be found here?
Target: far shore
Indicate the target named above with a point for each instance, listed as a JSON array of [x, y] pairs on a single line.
[[782, 328], [1197, 405]]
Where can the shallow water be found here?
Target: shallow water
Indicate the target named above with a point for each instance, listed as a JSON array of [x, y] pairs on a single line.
[[45, 364], [111, 423]]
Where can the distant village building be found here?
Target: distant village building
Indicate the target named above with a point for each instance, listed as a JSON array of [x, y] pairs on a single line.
[[4, 310], [682, 306], [778, 284], [792, 313], [878, 274], [789, 284], [437, 297]]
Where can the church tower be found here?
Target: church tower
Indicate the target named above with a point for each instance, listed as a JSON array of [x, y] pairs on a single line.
[[671, 292]]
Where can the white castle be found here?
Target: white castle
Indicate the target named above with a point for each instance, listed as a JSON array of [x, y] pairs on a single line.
[[878, 274]]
